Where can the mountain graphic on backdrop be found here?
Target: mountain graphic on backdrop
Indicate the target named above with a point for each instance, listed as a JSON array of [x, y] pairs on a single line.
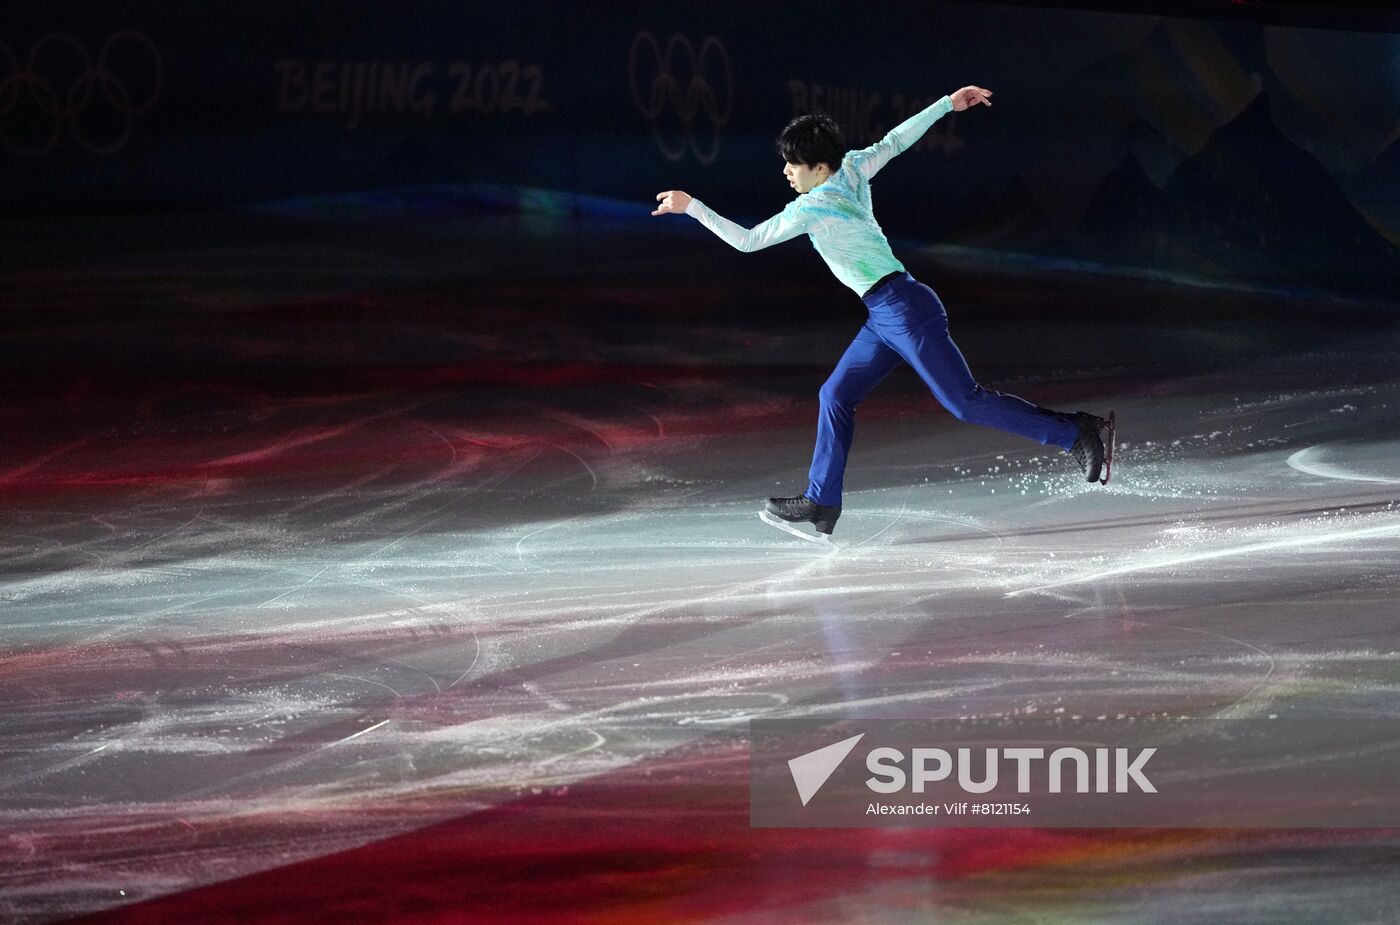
[[1250, 203], [1015, 218], [1130, 220], [1154, 152], [1381, 184]]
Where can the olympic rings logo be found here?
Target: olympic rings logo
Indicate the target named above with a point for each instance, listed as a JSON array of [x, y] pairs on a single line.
[[61, 86], [673, 89]]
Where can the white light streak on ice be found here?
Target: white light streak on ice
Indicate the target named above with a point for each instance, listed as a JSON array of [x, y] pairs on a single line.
[[1303, 462], [1297, 542], [356, 735]]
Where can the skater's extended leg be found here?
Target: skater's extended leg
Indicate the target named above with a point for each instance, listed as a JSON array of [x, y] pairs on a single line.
[[920, 335], [866, 361]]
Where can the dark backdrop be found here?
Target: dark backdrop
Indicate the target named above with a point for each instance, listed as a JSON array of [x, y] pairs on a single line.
[[1228, 151]]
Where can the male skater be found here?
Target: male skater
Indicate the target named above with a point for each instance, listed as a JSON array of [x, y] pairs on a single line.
[[907, 322]]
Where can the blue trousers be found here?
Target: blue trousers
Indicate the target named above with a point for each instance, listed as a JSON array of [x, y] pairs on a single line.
[[908, 324]]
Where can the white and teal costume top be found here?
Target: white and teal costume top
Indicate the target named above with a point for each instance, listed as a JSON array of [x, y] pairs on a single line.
[[837, 214]]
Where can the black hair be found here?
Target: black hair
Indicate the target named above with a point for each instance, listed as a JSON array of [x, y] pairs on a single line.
[[812, 140]]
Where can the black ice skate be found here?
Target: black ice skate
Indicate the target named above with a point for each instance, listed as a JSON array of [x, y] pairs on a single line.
[[1094, 457], [779, 512]]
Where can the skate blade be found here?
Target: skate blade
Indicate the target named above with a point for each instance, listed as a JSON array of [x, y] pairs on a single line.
[[819, 539], [1108, 451]]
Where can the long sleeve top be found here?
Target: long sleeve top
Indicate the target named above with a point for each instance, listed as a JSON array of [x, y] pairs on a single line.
[[837, 215]]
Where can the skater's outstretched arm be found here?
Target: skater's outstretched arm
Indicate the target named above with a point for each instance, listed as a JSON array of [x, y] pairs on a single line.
[[784, 226], [903, 136]]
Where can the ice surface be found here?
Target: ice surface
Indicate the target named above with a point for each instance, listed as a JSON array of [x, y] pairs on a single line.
[[246, 627]]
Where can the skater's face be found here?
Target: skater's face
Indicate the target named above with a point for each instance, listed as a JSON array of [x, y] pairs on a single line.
[[803, 178]]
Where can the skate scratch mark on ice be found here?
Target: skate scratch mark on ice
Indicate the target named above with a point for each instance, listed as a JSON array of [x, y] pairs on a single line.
[[520, 543], [1221, 713], [823, 708], [134, 730], [894, 520], [350, 677], [780, 701], [340, 490], [53, 769], [386, 662], [400, 493], [397, 592], [1302, 463], [407, 667], [660, 427], [475, 658], [451, 448], [757, 588], [102, 564], [171, 532], [356, 735], [581, 461], [424, 522], [969, 524], [1324, 417], [41, 547], [26, 468], [1336, 536], [598, 742], [225, 786], [290, 442]]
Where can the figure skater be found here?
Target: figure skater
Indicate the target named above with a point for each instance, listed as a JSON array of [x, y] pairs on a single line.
[[907, 323]]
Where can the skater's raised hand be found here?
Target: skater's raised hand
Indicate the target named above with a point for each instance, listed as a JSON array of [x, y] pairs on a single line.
[[968, 97], [673, 200]]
